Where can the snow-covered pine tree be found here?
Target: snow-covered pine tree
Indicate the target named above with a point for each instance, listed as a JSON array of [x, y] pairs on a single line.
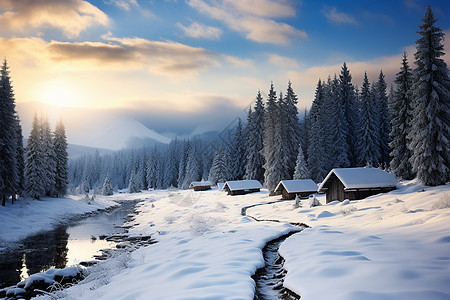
[[20, 158], [270, 121], [328, 117], [278, 167], [34, 162], [10, 171], [339, 145], [255, 152], [172, 164], [400, 109], [61, 159], [317, 156], [183, 161], [219, 171], [301, 170], [152, 169], [48, 151], [381, 101], [346, 96], [107, 189], [238, 153], [430, 130], [368, 135], [133, 186], [193, 167], [291, 128]]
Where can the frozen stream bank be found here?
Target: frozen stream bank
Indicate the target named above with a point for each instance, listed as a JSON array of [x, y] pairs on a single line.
[[269, 279]]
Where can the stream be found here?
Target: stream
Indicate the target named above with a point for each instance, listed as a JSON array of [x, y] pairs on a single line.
[[84, 239], [269, 279]]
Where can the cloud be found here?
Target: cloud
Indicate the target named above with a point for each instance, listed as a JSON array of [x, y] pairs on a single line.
[[120, 54], [263, 8], [70, 16], [334, 16], [124, 4], [281, 61], [201, 31], [254, 23]]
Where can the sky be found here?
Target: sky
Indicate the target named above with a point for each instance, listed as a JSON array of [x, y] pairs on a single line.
[[184, 67]]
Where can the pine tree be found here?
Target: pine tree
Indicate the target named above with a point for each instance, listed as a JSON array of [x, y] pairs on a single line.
[[193, 167], [219, 171], [61, 158], [301, 170], [34, 162], [400, 109], [339, 144], [238, 153], [381, 101], [346, 97], [430, 131], [368, 136], [255, 151], [48, 151], [107, 189], [171, 173], [133, 185], [291, 128], [10, 139], [317, 155], [270, 121]]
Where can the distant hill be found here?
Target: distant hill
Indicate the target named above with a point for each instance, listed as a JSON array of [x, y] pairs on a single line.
[[75, 151]]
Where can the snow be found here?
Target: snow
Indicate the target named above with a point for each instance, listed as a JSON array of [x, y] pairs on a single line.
[[200, 183], [236, 185], [39, 215], [388, 246], [298, 185], [354, 178]]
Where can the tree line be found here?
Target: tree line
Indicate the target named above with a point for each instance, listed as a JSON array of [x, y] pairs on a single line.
[[39, 169], [406, 132]]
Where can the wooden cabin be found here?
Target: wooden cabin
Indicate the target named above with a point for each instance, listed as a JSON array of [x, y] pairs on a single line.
[[242, 187], [356, 183], [200, 185], [289, 189]]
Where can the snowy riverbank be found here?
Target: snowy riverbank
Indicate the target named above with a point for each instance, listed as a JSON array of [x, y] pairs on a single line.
[[27, 217], [389, 246]]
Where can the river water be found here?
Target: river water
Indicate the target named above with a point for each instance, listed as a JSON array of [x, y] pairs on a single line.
[[64, 246]]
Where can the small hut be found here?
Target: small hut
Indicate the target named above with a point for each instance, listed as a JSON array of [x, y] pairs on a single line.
[[242, 187], [356, 183], [200, 185], [288, 189]]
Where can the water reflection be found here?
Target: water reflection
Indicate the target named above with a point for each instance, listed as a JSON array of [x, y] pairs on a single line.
[[64, 246]]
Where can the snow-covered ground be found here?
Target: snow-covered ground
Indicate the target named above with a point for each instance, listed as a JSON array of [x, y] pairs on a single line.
[[389, 246], [28, 216]]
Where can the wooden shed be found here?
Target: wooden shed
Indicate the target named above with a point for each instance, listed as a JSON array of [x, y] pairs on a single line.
[[288, 189], [242, 187], [200, 185], [356, 183]]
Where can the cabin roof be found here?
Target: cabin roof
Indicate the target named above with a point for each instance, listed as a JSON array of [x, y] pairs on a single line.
[[236, 185], [297, 186], [199, 183], [360, 178]]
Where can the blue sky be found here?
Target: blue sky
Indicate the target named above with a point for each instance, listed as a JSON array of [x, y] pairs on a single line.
[[189, 66]]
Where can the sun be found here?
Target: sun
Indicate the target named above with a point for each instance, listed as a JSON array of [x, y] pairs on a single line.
[[58, 93]]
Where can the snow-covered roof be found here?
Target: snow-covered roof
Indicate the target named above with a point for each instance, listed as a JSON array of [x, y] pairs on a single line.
[[220, 185], [236, 185], [200, 183], [298, 186], [360, 178]]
